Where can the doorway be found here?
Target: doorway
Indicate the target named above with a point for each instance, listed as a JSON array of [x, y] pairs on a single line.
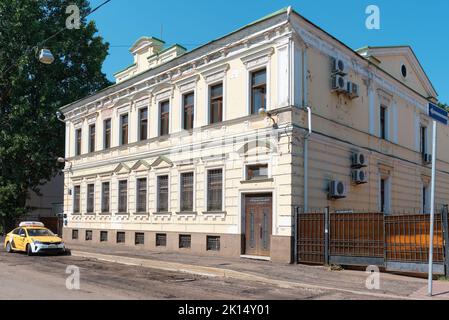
[[258, 223]]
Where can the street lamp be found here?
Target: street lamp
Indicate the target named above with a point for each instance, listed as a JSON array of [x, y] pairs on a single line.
[[264, 113], [46, 57]]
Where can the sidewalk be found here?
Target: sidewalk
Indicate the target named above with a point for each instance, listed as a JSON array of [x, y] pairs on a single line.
[[309, 277]]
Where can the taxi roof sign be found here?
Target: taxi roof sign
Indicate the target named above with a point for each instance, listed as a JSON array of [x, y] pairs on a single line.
[[31, 224]]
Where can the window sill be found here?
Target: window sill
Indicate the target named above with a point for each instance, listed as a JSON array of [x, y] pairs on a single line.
[[187, 213], [141, 213], [105, 214], [76, 214], [122, 214], [214, 212], [162, 213], [257, 181]]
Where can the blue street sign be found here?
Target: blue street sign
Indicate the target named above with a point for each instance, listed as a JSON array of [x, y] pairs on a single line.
[[438, 114]]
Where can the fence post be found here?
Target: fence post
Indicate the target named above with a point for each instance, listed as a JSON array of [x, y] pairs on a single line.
[[446, 239], [326, 235]]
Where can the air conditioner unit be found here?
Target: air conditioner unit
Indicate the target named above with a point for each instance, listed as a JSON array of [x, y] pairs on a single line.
[[359, 161], [337, 190], [353, 90], [359, 176], [427, 158], [339, 84], [338, 66]]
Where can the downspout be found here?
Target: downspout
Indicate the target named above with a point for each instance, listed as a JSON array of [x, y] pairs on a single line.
[[309, 132]]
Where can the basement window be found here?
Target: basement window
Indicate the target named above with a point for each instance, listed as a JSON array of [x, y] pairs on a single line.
[[185, 241], [103, 236], [139, 238], [74, 234], [213, 243], [161, 240], [88, 235], [120, 237]]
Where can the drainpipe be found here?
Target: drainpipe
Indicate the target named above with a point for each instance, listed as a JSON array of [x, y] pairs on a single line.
[[306, 159]]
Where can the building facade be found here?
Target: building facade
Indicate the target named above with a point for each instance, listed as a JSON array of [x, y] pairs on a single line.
[[213, 151]]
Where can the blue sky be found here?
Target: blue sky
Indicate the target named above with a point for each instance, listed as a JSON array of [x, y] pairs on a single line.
[[419, 24]]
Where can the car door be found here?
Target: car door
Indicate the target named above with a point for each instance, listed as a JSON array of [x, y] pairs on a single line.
[[21, 239], [13, 237]]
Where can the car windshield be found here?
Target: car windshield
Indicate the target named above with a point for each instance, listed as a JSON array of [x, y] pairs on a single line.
[[40, 233]]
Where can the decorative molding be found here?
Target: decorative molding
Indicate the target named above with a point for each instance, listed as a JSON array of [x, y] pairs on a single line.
[[258, 59], [216, 73]]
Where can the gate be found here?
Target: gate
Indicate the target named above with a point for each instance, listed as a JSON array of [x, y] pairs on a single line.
[[396, 242]]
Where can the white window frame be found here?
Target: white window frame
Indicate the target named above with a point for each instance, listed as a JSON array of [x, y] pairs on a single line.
[[255, 163], [87, 196], [157, 191], [206, 195], [118, 195], [194, 209], [73, 199], [213, 77], [120, 127], [147, 203], [101, 196], [387, 122], [166, 95], [255, 62], [187, 86], [427, 197], [139, 109]]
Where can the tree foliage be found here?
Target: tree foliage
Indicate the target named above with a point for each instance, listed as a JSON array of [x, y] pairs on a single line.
[[31, 137]]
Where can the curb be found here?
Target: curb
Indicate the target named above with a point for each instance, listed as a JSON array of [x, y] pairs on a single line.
[[225, 273]]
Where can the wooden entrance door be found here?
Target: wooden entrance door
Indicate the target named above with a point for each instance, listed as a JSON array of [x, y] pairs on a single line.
[[258, 224]]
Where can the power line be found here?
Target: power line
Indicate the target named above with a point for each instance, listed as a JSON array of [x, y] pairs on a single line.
[[40, 44]]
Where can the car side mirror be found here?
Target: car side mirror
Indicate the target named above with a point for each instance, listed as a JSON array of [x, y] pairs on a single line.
[[23, 235], [56, 235]]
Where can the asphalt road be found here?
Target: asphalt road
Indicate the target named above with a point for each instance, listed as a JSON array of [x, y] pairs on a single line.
[[44, 277]]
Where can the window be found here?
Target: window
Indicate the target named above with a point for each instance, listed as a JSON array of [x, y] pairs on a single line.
[[90, 198], [139, 238], [142, 195], [384, 196], [161, 240], [78, 139], [165, 118], [215, 190], [103, 236], [105, 198], [88, 235], [143, 124], [255, 172], [258, 90], [76, 199], [187, 192], [213, 243], [74, 234], [423, 140], [404, 71], [383, 123], [185, 241], [107, 134], [124, 129], [162, 194], [425, 199], [123, 196], [188, 110], [216, 104], [92, 138], [120, 237]]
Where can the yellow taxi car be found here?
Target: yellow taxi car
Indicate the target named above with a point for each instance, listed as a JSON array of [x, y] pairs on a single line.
[[33, 238]]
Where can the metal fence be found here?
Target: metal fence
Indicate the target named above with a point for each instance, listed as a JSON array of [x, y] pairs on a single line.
[[397, 242]]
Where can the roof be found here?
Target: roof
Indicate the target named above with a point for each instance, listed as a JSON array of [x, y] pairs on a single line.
[[142, 39], [413, 57], [267, 17]]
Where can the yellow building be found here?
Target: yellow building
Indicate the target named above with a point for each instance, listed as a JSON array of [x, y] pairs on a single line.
[[209, 151]]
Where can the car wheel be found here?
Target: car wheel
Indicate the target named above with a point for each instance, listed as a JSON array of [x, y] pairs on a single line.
[[29, 250], [8, 248]]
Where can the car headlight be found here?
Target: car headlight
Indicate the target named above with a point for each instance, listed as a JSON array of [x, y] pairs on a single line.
[[37, 242]]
